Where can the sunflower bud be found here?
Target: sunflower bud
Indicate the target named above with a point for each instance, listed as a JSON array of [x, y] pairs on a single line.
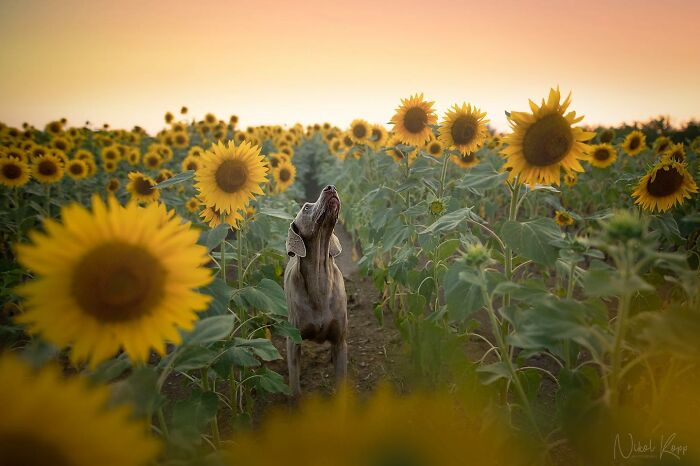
[[623, 226], [437, 207], [477, 254]]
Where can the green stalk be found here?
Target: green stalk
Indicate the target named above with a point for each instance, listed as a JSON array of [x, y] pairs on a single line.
[[222, 249], [161, 422], [569, 294], [443, 175], [215, 422], [47, 201], [620, 330]]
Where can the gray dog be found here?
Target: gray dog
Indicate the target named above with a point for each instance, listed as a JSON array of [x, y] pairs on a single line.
[[314, 285]]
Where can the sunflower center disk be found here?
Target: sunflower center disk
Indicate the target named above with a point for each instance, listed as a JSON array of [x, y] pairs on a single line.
[[76, 169], [634, 143], [231, 176], [547, 141], [463, 131], [25, 450], [666, 182], [359, 131], [415, 120], [47, 168], [601, 154], [143, 186], [285, 175], [118, 282], [11, 172]]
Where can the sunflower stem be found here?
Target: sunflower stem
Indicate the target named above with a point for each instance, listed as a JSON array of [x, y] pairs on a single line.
[[214, 422], [161, 422], [443, 175], [222, 249], [47, 201], [620, 330]]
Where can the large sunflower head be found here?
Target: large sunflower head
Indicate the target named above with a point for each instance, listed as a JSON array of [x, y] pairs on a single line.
[[142, 188], [360, 131], [668, 183], [465, 160], [231, 175], [284, 175], [602, 155], [463, 128], [116, 277], [635, 142], [661, 144], [49, 419], [545, 141], [13, 172], [413, 120], [77, 169], [47, 169]]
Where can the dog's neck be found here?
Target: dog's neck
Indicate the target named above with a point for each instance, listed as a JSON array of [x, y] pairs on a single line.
[[316, 266]]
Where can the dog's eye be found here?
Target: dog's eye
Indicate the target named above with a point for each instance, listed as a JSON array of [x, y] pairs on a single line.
[[306, 207]]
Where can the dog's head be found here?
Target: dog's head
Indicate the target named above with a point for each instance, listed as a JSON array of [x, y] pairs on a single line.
[[315, 221]]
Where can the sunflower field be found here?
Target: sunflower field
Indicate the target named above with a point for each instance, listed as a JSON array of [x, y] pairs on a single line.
[[544, 285]]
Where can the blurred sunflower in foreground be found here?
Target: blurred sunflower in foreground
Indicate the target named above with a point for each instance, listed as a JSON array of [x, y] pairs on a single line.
[[230, 176], [415, 430], [116, 277], [545, 141], [48, 420], [413, 120], [668, 183]]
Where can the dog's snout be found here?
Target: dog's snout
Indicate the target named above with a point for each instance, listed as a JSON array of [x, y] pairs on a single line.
[[330, 188]]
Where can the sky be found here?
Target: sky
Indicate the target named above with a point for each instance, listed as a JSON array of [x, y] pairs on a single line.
[[282, 62]]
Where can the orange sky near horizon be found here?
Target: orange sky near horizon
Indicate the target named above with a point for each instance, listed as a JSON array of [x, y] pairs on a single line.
[[276, 62]]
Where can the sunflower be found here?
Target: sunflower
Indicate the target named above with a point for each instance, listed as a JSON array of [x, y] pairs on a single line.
[[413, 120], [49, 419], [465, 161], [13, 173], [634, 143], [190, 163], [164, 174], [116, 277], [110, 153], [288, 151], [668, 183], [195, 151], [110, 166], [676, 152], [563, 218], [47, 169], [213, 216], [77, 169], [284, 176], [231, 175], [606, 136], [37, 151], [661, 144], [192, 205], [113, 185], [570, 179], [133, 156], [169, 117], [142, 187], [14, 153], [398, 155], [434, 148], [695, 145], [602, 155], [54, 127], [181, 140], [464, 128], [183, 110], [82, 154], [360, 131], [61, 143], [544, 142], [152, 160]]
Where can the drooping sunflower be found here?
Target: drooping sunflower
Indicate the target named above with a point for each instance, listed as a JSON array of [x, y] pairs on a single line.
[[464, 128], [49, 419], [676, 152], [465, 160], [413, 120], [47, 169], [192, 205], [668, 183], [544, 141], [116, 277], [602, 155], [213, 216], [284, 175], [661, 144], [13, 172], [142, 187], [635, 142], [76, 169], [563, 218], [360, 131], [231, 175]]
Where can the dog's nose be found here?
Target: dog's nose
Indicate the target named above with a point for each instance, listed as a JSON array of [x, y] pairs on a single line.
[[330, 188]]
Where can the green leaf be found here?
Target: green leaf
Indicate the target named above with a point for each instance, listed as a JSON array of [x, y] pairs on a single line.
[[446, 249], [262, 347], [221, 294], [285, 329], [533, 239], [217, 235], [461, 298], [210, 330], [240, 357], [177, 179], [271, 382], [110, 370], [267, 296], [140, 390], [481, 178], [449, 221], [493, 372], [275, 213], [191, 416], [193, 357]]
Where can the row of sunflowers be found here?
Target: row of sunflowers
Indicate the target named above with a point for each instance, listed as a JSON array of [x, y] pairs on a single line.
[[143, 289]]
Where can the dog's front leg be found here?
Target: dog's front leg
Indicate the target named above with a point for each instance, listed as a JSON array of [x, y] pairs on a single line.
[[294, 366], [339, 353]]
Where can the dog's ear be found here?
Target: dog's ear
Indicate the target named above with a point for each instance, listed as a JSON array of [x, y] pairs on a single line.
[[295, 243], [335, 247]]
